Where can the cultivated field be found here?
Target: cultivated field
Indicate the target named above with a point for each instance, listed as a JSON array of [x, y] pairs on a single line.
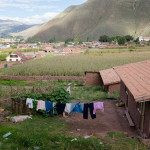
[[73, 65]]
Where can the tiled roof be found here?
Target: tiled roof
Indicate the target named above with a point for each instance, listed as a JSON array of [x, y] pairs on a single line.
[[146, 38], [109, 76], [136, 77], [22, 56]]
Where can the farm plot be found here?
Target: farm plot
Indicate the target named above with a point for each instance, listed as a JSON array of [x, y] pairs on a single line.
[[73, 65]]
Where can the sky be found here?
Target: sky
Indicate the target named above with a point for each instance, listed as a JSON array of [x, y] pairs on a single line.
[[34, 11]]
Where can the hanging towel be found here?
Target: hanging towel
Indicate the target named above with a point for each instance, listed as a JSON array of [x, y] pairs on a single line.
[[78, 108], [49, 107], [98, 105], [69, 107], [60, 108], [29, 102], [40, 105], [85, 111]]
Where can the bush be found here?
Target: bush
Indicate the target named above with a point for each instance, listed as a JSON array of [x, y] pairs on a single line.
[[58, 95], [3, 57]]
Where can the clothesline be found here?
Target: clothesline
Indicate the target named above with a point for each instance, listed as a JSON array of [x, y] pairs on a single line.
[[68, 107]]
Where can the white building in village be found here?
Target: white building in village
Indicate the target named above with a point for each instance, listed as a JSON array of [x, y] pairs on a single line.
[[15, 57], [146, 39]]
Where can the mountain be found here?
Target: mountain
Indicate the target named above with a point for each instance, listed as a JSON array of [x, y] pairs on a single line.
[[98, 17], [9, 26]]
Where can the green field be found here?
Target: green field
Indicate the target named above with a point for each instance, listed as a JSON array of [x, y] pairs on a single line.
[[73, 65]]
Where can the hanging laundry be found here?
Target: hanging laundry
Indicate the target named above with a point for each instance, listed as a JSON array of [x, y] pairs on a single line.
[[60, 108], [29, 102], [98, 105], [40, 105], [69, 107], [78, 108], [49, 107], [85, 111]]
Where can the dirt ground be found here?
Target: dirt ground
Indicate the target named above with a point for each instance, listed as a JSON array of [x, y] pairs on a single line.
[[113, 119]]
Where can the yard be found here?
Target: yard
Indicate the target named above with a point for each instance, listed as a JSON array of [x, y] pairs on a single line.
[[73, 65], [59, 134], [106, 131]]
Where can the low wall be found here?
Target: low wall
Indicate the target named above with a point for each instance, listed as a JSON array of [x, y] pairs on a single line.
[[50, 78]]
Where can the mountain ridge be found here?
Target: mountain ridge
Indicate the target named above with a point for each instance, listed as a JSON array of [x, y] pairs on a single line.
[[94, 18]]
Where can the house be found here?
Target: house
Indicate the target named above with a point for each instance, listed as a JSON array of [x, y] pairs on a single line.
[[4, 46], [146, 39], [110, 80], [70, 50], [135, 93], [15, 57], [28, 46]]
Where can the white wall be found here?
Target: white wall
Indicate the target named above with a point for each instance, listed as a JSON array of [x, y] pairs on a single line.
[[13, 59]]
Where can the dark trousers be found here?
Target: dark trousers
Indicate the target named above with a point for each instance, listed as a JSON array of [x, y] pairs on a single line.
[[60, 108], [85, 111]]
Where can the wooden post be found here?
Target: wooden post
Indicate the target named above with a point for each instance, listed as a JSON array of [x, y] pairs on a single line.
[[142, 116], [17, 108]]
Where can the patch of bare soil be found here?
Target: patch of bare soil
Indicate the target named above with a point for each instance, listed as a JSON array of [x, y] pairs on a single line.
[[112, 120]]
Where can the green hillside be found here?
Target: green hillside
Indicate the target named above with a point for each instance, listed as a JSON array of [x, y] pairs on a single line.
[[98, 17]]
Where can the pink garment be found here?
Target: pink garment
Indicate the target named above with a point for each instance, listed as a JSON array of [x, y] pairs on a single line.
[[40, 105], [98, 105]]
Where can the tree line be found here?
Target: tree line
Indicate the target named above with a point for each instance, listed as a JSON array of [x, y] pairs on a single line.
[[121, 40]]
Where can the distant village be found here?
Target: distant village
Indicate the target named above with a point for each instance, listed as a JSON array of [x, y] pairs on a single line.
[[58, 48]]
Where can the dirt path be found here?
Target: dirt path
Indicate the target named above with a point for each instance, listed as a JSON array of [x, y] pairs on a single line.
[[113, 119]]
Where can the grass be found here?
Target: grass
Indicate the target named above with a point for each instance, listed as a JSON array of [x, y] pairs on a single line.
[[12, 82], [47, 133], [7, 51], [73, 65], [52, 134], [91, 94], [120, 50]]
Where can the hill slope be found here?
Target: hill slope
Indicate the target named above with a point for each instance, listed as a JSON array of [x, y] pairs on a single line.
[[9, 26], [98, 17]]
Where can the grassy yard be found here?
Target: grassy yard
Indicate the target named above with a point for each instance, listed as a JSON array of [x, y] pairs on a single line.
[[73, 65], [52, 134]]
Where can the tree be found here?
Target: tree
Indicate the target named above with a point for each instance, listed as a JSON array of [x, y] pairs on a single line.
[[129, 38], [77, 40], [104, 38], [68, 40], [52, 40], [121, 40]]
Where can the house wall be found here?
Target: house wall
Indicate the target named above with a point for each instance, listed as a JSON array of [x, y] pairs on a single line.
[[134, 113], [114, 88], [93, 79], [147, 119], [13, 59], [131, 106]]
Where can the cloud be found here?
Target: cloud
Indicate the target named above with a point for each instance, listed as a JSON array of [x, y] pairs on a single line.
[[36, 19], [27, 4]]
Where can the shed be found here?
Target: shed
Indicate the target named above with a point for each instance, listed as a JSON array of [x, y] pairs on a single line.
[[93, 79], [135, 92], [110, 80]]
